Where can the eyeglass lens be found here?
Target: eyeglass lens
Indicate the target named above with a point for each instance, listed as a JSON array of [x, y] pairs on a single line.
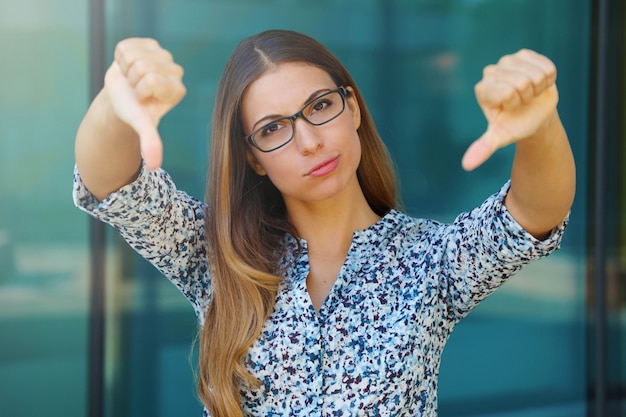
[[319, 111]]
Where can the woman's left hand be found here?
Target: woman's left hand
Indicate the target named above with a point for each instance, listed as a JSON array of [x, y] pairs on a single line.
[[518, 96]]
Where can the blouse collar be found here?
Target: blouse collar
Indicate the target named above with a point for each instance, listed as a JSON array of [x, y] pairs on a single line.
[[363, 241]]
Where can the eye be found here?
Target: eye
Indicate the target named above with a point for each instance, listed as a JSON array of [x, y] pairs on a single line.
[[321, 105], [271, 128]]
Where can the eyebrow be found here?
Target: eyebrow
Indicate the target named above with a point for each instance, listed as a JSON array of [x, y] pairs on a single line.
[[271, 117]]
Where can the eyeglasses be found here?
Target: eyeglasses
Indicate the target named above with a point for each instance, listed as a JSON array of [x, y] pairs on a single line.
[[319, 111]]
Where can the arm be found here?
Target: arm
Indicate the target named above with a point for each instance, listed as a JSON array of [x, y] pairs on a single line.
[[120, 127], [543, 180], [482, 249], [164, 225], [518, 96]]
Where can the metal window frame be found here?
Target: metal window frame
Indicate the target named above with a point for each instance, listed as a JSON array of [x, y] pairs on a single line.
[[606, 111], [97, 231]]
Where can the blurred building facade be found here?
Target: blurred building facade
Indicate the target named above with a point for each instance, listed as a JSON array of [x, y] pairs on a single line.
[[89, 328]]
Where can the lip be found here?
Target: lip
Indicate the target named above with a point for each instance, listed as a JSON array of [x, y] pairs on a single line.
[[324, 168]]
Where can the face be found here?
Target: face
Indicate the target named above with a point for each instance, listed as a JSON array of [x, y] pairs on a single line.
[[320, 162]]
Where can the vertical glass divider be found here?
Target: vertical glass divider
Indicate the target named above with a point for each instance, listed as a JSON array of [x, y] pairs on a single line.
[[96, 322], [605, 75]]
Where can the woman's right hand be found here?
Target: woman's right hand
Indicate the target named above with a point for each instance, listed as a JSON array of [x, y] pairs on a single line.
[[142, 85]]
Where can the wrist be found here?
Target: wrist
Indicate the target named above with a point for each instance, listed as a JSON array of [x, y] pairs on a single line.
[[547, 133]]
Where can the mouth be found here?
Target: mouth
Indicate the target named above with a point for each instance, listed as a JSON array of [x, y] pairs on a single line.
[[324, 168]]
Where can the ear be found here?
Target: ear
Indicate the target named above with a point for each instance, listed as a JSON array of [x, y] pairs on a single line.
[[254, 163], [353, 105]]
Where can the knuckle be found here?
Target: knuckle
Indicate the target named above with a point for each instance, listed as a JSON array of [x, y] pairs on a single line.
[[507, 93], [147, 85], [523, 82], [181, 92], [166, 55], [551, 70], [121, 49], [508, 59], [178, 70], [151, 79], [477, 88], [129, 47], [489, 70], [536, 74], [480, 88], [136, 72], [126, 53], [511, 103], [140, 68], [151, 43]]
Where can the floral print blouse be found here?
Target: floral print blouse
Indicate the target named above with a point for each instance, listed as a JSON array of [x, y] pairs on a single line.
[[374, 347]]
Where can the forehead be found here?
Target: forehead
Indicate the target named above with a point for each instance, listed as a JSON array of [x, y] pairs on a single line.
[[283, 89]]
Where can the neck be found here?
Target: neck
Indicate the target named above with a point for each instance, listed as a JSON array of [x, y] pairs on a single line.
[[328, 225]]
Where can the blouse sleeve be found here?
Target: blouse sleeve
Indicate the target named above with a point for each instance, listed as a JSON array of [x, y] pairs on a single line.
[[483, 248], [164, 225]]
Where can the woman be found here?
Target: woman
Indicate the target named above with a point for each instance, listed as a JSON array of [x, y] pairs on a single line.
[[315, 295]]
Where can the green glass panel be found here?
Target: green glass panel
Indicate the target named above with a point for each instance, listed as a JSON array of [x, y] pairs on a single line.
[[44, 251]]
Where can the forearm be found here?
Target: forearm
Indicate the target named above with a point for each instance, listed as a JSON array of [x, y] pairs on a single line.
[[107, 150], [543, 179]]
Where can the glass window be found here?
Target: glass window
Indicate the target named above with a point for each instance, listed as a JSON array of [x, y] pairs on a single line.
[[521, 352], [44, 250]]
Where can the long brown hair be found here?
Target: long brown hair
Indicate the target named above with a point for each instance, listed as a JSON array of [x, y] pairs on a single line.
[[246, 218]]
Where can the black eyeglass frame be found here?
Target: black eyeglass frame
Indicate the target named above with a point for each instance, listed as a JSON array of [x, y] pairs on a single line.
[[343, 92]]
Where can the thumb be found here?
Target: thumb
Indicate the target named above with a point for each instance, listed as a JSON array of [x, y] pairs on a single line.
[[479, 151], [128, 108], [495, 137], [149, 142]]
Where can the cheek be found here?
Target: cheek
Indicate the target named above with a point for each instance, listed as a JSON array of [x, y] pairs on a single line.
[[277, 170], [354, 144]]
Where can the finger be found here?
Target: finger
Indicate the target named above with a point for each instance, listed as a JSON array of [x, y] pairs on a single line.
[[151, 148], [493, 93], [477, 153], [516, 77], [542, 62], [482, 148], [128, 51], [128, 109], [537, 68], [149, 142], [141, 68], [157, 86]]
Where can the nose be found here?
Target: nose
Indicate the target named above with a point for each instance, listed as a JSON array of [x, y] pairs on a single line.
[[306, 136]]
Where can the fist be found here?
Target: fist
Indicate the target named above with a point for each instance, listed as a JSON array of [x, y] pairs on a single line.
[[518, 96], [143, 84]]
